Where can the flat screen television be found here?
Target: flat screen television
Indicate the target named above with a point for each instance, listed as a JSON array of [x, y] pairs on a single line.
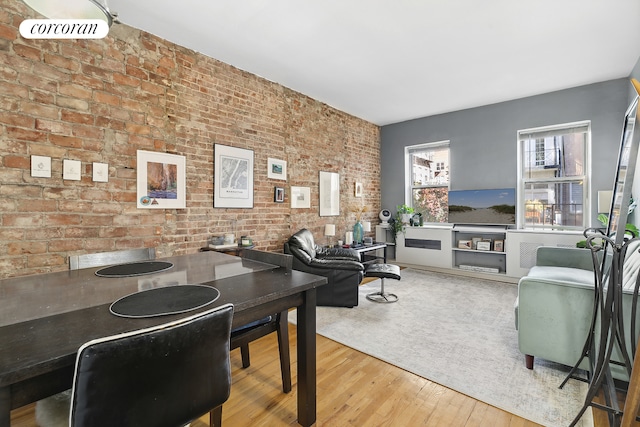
[[494, 206]]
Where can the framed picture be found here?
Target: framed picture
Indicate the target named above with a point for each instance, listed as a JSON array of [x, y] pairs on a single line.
[[483, 245], [329, 194], [232, 177], [300, 197], [278, 194], [161, 181], [498, 245], [358, 189], [276, 169], [474, 242], [464, 244]]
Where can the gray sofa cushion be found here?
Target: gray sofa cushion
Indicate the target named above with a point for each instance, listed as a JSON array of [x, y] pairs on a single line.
[[562, 274]]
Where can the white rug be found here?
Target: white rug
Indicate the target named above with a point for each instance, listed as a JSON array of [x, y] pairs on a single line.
[[458, 332]]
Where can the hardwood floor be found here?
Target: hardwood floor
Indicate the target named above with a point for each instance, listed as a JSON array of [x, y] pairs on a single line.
[[354, 389]]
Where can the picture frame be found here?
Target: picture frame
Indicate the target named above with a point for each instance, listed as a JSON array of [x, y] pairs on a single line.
[[358, 189], [474, 241], [483, 245], [300, 197], [329, 193], [161, 180], [498, 245], [232, 177], [276, 169], [278, 194], [464, 244]]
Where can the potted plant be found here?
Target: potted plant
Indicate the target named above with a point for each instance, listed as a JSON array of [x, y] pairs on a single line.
[[401, 220], [404, 213], [630, 229]]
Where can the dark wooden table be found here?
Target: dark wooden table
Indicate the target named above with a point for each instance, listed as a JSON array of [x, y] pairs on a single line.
[[45, 318]]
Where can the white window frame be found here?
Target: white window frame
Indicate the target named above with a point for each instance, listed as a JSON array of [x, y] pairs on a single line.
[[408, 199], [586, 177]]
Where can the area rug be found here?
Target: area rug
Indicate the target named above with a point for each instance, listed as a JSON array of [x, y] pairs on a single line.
[[459, 332]]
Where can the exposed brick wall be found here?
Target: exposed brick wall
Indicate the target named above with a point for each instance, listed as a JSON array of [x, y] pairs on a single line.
[[101, 100]]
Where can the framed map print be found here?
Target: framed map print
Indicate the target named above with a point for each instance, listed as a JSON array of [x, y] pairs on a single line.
[[232, 177]]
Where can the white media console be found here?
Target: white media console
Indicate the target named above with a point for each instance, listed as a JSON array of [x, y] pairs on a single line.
[[474, 249]]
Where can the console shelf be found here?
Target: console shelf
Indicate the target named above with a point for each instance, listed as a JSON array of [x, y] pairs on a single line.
[[479, 248]]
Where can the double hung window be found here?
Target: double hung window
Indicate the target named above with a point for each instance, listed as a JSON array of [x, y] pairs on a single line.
[[428, 186], [553, 172]]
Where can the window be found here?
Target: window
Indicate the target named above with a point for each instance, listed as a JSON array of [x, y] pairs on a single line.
[[553, 176], [428, 180]]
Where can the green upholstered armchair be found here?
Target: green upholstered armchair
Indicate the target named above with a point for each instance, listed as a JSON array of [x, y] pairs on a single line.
[[555, 301]]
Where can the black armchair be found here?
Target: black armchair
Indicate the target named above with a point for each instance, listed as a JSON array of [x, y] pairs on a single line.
[[341, 267]]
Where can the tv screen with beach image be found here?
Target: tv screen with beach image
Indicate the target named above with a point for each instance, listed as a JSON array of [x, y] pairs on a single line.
[[496, 206]]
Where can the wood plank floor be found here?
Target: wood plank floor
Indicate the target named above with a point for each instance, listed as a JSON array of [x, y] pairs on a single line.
[[354, 389]]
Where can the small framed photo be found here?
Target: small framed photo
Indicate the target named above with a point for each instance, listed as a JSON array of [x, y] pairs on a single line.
[[278, 194], [464, 244], [483, 245], [276, 169], [300, 197], [498, 245], [358, 189]]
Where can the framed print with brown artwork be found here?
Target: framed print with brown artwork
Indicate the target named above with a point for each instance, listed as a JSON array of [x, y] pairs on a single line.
[[160, 180]]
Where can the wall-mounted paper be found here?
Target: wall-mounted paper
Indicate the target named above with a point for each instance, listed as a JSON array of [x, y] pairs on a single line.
[[41, 166], [100, 172], [71, 169]]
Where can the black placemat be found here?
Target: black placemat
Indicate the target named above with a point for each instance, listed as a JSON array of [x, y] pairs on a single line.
[[134, 269], [164, 301]]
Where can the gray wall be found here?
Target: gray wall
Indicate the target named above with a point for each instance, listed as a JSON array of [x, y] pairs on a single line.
[[484, 139]]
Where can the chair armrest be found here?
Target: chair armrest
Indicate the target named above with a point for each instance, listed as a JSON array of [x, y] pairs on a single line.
[[338, 253], [564, 257], [336, 264]]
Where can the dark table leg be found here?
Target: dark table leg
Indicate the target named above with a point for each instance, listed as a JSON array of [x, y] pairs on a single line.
[[5, 407], [307, 359]]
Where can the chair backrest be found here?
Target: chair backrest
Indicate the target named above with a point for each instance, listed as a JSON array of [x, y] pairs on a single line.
[[163, 376], [100, 259], [282, 260], [302, 245]]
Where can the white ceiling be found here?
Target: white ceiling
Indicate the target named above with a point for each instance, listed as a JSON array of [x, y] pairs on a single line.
[[388, 61]]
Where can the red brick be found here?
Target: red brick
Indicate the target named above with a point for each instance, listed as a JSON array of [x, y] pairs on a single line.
[[21, 220], [65, 141], [106, 98], [12, 89], [62, 62], [75, 117], [17, 162], [26, 247], [45, 260], [40, 110]]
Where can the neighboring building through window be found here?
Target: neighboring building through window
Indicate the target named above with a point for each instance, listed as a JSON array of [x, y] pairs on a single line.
[[427, 167], [553, 172]]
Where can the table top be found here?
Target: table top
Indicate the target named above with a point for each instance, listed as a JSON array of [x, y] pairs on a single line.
[[45, 318], [374, 246], [31, 297]]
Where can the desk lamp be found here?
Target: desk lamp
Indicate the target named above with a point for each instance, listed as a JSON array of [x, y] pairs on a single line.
[[329, 231]]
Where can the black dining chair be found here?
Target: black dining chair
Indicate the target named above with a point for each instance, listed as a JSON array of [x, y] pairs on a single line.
[[164, 376], [277, 322]]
